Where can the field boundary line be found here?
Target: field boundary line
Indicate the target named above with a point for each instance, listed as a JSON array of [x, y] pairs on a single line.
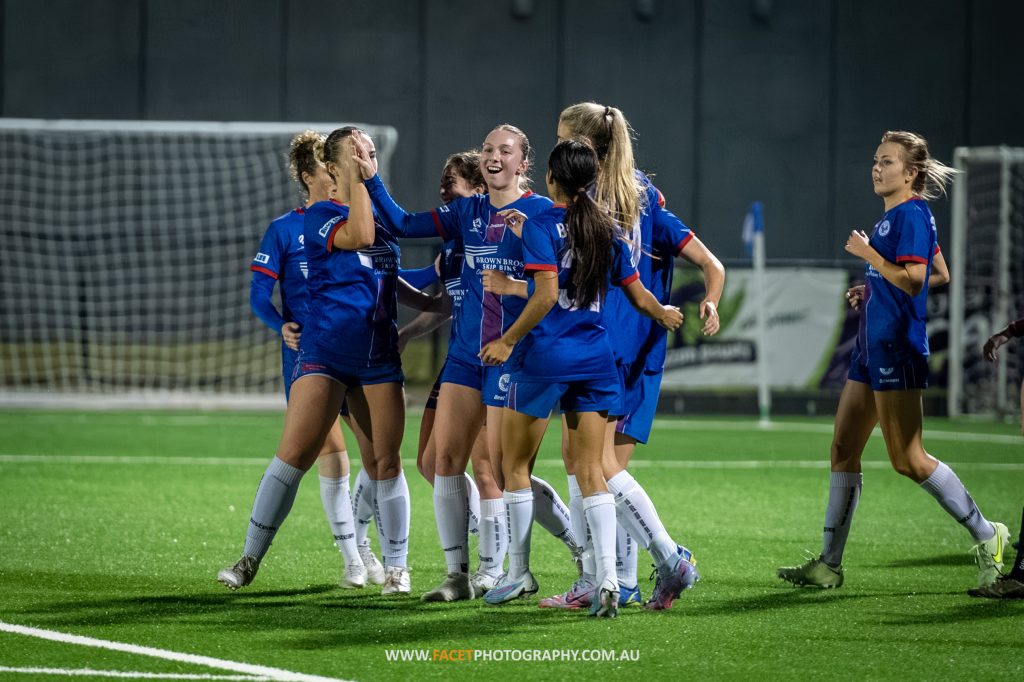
[[132, 674], [808, 427], [276, 674]]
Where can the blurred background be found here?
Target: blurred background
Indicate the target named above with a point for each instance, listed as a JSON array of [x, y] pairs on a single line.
[[733, 101]]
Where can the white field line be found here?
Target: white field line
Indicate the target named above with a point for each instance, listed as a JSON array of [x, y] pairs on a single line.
[[221, 664], [130, 674], [548, 462]]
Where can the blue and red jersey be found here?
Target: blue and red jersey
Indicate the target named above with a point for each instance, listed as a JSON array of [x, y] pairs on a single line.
[[569, 343], [353, 304], [282, 257], [890, 317], [656, 240]]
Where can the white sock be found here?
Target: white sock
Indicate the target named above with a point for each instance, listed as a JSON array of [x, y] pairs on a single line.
[[551, 513], [393, 520], [519, 506], [493, 536], [581, 530], [600, 511], [450, 504], [843, 494], [274, 499], [638, 516], [625, 557], [338, 507], [363, 501], [946, 488], [473, 504]]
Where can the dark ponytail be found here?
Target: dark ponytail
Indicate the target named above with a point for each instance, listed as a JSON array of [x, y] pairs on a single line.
[[589, 230]]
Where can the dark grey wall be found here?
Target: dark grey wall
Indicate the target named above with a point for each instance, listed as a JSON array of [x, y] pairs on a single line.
[[733, 100]]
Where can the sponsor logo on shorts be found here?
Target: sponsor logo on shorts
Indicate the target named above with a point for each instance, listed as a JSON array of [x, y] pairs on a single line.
[[885, 371], [503, 382], [262, 258], [883, 228], [307, 367]]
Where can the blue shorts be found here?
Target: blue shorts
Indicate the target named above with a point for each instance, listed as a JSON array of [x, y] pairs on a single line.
[[349, 374], [288, 357], [641, 388], [492, 382], [891, 369], [538, 398]]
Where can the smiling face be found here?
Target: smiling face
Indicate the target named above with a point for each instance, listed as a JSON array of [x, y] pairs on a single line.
[[454, 185], [889, 173], [502, 160]]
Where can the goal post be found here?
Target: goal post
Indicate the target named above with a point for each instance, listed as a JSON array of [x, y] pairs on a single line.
[[125, 259], [987, 272]]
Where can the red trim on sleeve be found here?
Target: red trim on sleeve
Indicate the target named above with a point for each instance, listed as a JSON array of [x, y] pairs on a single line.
[[661, 198], [535, 267], [937, 250], [682, 244], [265, 271], [437, 223], [559, 206], [334, 231], [629, 280], [911, 259], [527, 193]]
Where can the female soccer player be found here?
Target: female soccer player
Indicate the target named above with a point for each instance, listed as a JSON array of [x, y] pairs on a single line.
[[469, 391], [281, 260], [657, 238], [348, 350], [889, 364], [560, 355]]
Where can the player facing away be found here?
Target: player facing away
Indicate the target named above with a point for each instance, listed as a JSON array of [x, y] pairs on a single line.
[[1011, 585], [889, 365], [558, 354], [281, 260], [470, 391], [348, 350], [656, 237]]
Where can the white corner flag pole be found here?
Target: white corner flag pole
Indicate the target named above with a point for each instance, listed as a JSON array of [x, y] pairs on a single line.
[[764, 396]]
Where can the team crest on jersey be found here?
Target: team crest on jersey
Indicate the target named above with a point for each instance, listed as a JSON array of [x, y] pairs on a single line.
[[883, 228], [262, 258], [478, 227], [325, 230], [503, 382]]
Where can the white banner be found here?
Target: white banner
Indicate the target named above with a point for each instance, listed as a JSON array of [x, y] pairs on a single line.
[[805, 309]]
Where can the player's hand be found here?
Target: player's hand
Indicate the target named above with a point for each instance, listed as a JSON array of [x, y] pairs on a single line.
[[855, 296], [497, 282], [496, 352], [992, 346], [709, 313], [363, 168], [291, 332], [671, 318], [513, 220], [857, 244]]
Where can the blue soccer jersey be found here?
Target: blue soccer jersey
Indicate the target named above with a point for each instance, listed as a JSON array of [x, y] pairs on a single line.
[[656, 240], [570, 343], [283, 257], [353, 294], [487, 245], [890, 318], [450, 264]]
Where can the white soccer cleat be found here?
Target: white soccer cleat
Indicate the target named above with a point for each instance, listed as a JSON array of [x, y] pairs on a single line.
[[456, 587], [353, 578], [989, 555], [483, 582], [396, 581], [374, 569]]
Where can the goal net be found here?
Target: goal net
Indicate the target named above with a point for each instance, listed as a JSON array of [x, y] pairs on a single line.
[[987, 287], [125, 258]]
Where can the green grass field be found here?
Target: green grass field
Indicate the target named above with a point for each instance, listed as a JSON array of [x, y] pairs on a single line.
[[115, 524]]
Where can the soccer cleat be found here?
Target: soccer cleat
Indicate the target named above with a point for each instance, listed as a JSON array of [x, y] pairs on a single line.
[[630, 596], [483, 582], [671, 582], [353, 578], [509, 589], [1003, 588], [813, 573], [606, 601], [456, 587], [374, 570], [241, 574], [578, 596], [989, 555], [396, 581]]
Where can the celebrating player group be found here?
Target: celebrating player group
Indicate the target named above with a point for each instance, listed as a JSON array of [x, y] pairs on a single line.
[[558, 305]]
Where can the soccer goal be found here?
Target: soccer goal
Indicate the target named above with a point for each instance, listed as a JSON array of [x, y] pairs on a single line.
[[987, 288], [124, 265]]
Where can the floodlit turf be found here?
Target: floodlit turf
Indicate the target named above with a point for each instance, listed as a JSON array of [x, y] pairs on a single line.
[[126, 550]]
